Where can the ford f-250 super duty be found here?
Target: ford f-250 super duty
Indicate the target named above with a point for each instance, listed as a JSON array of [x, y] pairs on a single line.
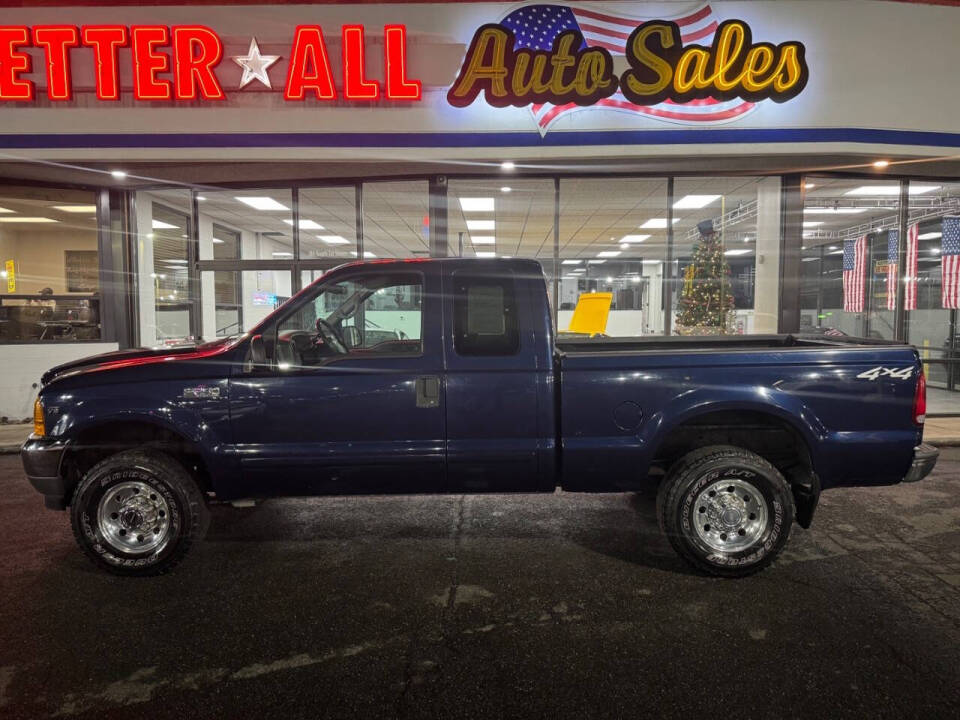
[[445, 376]]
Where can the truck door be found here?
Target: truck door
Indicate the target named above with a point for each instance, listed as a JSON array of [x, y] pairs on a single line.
[[351, 397], [496, 431]]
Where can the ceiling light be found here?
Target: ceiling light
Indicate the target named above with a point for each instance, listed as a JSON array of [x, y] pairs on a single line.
[[812, 223], [4, 210], [118, 174], [633, 238], [813, 259], [282, 254], [809, 186], [508, 166], [609, 279], [595, 262], [483, 239], [652, 262], [635, 279], [694, 202], [476, 204], [28, 220], [657, 223], [262, 203], [881, 163], [624, 246], [929, 236], [608, 253], [333, 239], [740, 251], [572, 262], [506, 189], [485, 253], [307, 224], [935, 250], [201, 198], [175, 262], [480, 224], [836, 252], [218, 241], [366, 254], [578, 270], [890, 190], [832, 247], [834, 210], [76, 208], [161, 225]]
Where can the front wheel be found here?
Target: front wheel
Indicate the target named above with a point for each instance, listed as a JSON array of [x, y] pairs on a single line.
[[137, 513], [726, 510]]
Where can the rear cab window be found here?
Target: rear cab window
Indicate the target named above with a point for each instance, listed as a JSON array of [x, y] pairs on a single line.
[[485, 318]]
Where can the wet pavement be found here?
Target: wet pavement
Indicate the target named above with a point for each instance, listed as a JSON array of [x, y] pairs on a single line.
[[555, 606]]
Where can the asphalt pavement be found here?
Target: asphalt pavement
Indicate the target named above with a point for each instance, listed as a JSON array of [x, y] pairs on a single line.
[[553, 606]]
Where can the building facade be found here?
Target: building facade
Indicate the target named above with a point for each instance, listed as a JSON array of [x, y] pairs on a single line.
[[175, 172]]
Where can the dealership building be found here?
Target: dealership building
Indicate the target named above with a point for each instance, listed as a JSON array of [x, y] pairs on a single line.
[[174, 172]]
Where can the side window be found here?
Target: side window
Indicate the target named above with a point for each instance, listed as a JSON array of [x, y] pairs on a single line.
[[370, 315], [485, 316]]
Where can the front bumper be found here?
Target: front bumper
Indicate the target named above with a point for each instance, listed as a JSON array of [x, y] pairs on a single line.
[[924, 458], [41, 457]]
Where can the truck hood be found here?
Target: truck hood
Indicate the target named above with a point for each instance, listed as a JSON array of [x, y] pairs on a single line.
[[126, 358]]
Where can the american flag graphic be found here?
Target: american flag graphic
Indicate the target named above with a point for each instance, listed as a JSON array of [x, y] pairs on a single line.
[[910, 294], [537, 26], [893, 247], [854, 273], [950, 262]]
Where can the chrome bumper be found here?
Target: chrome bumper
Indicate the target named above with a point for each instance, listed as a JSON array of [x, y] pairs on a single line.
[[924, 458]]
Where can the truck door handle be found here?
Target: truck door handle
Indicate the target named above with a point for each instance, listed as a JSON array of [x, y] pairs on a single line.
[[428, 391]]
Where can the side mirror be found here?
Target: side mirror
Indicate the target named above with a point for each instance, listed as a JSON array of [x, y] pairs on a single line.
[[256, 355]]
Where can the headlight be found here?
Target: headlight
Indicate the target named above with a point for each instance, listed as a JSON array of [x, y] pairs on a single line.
[[39, 429]]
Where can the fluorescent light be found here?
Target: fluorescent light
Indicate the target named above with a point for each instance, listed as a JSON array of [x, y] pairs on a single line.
[[118, 174], [881, 163], [740, 251], [633, 238], [483, 239], [76, 208], [28, 220], [694, 202], [652, 262], [333, 239], [929, 236], [833, 210], [306, 224], [577, 271], [871, 190], [200, 198], [282, 254], [485, 253], [175, 262], [480, 224], [508, 165], [657, 223], [161, 225], [809, 186], [261, 203], [608, 253], [813, 259], [218, 241], [812, 223], [366, 254], [476, 204], [836, 252], [595, 262], [4, 210], [506, 189], [935, 250]]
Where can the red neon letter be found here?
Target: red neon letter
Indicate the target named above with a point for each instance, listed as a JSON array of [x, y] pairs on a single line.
[[106, 40], [13, 62], [309, 66], [355, 85], [395, 44], [194, 68], [147, 62], [56, 41]]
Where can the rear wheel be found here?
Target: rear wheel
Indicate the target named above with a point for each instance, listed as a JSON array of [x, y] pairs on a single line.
[[726, 510], [138, 513]]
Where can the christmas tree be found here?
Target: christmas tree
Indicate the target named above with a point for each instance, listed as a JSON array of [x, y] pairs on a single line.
[[706, 300]]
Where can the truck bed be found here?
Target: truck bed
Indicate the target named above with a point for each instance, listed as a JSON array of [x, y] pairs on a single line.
[[726, 343]]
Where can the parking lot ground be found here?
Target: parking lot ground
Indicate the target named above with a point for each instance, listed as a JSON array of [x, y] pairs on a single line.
[[553, 606]]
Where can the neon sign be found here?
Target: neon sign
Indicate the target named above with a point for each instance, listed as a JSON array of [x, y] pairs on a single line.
[[180, 63]]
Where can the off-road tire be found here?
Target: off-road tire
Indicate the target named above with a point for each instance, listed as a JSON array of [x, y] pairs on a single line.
[[188, 516], [691, 475]]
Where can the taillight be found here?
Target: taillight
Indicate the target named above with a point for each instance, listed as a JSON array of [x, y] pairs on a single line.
[[920, 399], [39, 428]]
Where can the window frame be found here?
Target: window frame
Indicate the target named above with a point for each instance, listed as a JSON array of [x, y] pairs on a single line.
[[461, 299]]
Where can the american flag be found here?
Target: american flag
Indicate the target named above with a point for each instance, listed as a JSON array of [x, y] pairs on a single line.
[[854, 273], [910, 294], [893, 247], [537, 26], [950, 262]]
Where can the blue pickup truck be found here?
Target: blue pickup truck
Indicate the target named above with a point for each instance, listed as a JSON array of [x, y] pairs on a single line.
[[446, 376]]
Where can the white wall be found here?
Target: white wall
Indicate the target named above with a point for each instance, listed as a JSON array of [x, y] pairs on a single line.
[[23, 365]]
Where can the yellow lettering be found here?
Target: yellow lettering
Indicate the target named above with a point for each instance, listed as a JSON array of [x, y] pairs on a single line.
[[591, 74], [729, 45], [494, 41], [789, 61], [758, 63], [640, 56], [561, 61], [691, 72]]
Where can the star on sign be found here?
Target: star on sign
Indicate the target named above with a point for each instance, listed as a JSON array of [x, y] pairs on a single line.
[[255, 65]]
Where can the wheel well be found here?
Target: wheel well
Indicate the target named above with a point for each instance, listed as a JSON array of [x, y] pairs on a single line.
[[92, 445], [767, 435]]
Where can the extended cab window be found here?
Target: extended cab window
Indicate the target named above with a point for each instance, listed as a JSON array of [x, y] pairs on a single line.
[[364, 316], [484, 316]]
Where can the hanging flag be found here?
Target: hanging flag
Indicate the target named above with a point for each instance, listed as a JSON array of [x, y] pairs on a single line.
[[950, 263], [893, 247], [854, 273], [910, 292]]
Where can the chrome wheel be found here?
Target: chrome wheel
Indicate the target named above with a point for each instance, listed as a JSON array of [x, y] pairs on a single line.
[[730, 515], [134, 518]]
